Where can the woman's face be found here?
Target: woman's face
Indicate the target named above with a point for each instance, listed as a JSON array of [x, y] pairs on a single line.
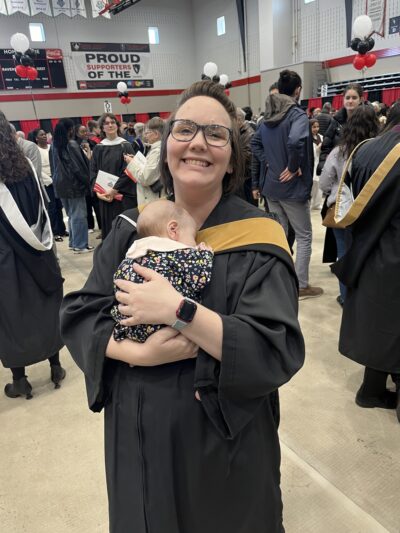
[[315, 128], [83, 132], [41, 137], [110, 127], [351, 100], [195, 165]]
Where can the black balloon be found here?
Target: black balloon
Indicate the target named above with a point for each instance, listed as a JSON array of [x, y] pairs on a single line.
[[371, 43], [215, 78], [26, 61], [354, 44], [205, 77], [363, 47]]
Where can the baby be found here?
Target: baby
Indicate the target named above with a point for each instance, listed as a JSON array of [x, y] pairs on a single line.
[[166, 244]]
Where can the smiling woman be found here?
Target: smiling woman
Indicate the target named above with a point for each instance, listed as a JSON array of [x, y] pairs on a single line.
[[177, 461]]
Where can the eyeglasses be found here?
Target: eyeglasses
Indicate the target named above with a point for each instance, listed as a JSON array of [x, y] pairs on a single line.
[[214, 134], [111, 123]]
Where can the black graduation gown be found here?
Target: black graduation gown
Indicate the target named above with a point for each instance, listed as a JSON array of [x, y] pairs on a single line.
[[174, 464], [370, 329], [30, 289], [109, 158]]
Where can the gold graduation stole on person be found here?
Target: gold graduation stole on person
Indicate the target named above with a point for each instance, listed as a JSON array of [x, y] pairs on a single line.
[[348, 209], [241, 233]]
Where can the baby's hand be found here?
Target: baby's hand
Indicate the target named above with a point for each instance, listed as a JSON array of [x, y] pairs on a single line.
[[203, 246], [197, 396]]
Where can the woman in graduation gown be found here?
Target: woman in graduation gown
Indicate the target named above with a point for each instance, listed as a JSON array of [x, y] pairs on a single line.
[[191, 415], [30, 278], [370, 330], [108, 156]]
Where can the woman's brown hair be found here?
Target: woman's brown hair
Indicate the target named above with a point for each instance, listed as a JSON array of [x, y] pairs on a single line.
[[14, 166], [231, 182]]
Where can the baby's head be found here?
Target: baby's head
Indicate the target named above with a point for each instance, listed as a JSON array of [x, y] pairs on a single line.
[[165, 219]]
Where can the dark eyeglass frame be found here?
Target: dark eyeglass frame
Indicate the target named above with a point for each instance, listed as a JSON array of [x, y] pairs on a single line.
[[203, 129]]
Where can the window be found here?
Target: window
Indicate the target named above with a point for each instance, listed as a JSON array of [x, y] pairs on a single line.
[[220, 26], [308, 1], [153, 35], [37, 32]]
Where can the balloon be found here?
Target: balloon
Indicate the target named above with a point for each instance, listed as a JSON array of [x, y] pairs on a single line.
[[223, 79], [215, 78], [124, 99], [362, 26], [122, 86], [363, 47], [210, 69], [31, 73], [19, 42], [26, 61], [354, 44], [21, 71], [371, 43], [227, 92], [359, 62], [370, 60], [128, 100]]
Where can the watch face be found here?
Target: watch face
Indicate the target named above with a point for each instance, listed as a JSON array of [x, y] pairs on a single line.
[[186, 310]]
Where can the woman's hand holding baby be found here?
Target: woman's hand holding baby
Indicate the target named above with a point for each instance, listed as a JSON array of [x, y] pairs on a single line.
[[152, 302]]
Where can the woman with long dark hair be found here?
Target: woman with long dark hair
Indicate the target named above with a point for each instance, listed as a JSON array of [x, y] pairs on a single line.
[[108, 156], [370, 329], [176, 460], [363, 124], [72, 182], [30, 278]]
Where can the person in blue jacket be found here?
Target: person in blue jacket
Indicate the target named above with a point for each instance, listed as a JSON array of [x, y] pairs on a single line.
[[285, 135]]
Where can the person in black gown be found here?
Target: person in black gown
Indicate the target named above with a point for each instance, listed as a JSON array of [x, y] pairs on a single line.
[[370, 329], [192, 414], [30, 278], [108, 156]]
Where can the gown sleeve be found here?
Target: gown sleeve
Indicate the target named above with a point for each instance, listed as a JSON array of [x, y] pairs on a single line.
[[86, 322], [262, 349]]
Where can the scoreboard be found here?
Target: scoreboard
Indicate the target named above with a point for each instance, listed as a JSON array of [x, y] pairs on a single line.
[[48, 62]]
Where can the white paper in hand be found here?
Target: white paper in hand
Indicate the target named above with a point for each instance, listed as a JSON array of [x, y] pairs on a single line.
[[106, 181]]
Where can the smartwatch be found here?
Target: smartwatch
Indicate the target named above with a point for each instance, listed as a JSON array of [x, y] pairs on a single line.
[[185, 313]]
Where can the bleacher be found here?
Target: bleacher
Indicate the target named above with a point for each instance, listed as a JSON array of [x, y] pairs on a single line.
[[371, 83]]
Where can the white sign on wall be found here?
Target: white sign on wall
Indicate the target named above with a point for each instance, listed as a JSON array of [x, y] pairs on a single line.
[[62, 7], [376, 10], [13, 6], [103, 65], [97, 6], [3, 9], [107, 107], [40, 6], [78, 8]]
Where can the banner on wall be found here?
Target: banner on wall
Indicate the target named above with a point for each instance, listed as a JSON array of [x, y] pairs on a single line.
[[13, 6], [62, 7], [3, 8], [97, 6], [78, 8], [376, 10], [40, 6], [103, 65]]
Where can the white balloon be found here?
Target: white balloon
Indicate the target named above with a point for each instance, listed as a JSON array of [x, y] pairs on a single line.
[[210, 69], [362, 26], [19, 42], [223, 79], [122, 87]]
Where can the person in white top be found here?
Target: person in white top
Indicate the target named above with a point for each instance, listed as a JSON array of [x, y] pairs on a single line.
[[316, 194], [144, 170], [39, 137]]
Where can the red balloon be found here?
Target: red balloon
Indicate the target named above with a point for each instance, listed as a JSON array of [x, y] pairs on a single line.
[[227, 92], [124, 99], [370, 60], [128, 100], [21, 71], [31, 73], [359, 62]]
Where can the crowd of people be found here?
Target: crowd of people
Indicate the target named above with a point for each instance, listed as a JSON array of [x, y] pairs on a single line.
[[206, 282]]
